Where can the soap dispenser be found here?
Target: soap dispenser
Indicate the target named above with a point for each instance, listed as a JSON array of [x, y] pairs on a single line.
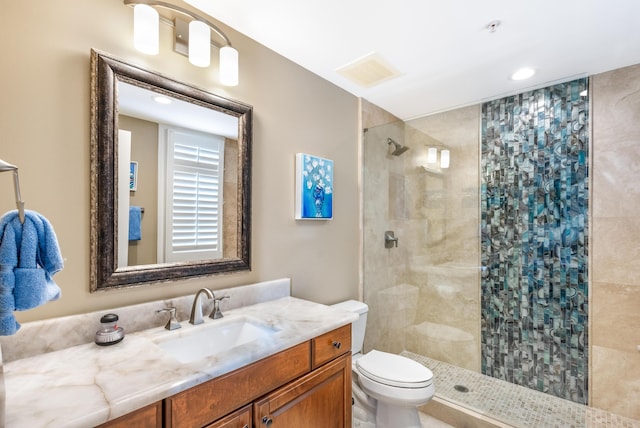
[[110, 333]]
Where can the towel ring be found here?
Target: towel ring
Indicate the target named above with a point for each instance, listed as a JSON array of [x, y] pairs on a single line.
[[5, 166]]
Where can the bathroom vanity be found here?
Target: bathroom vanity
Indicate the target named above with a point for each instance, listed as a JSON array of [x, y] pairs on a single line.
[[300, 372], [307, 382]]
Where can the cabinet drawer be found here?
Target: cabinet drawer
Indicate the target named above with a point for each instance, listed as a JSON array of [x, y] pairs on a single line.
[[205, 403], [331, 345]]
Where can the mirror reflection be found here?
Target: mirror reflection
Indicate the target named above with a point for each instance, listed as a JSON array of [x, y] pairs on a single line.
[[171, 178], [179, 160]]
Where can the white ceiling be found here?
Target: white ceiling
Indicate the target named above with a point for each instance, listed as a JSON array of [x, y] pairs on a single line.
[[139, 102], [445, 54]]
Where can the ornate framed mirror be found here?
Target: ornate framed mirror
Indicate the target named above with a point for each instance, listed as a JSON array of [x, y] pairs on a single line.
[[192, 166]]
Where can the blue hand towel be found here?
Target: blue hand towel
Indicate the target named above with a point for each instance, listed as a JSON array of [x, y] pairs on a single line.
[[29, 257], [39, 259], [135, 219], [8, 260]]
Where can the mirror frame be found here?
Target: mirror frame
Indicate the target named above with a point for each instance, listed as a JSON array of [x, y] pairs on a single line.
[[106, 71]]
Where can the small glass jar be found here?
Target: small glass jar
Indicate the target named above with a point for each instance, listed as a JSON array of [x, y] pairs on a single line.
[[110, 333]]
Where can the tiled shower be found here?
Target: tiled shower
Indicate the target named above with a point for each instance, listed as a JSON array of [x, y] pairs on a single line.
[[490, 272], [433, 279]]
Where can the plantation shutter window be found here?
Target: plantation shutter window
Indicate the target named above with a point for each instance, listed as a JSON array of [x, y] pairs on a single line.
[[193, 219]]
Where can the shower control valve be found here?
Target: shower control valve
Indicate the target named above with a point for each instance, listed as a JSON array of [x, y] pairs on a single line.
[[390, 239]]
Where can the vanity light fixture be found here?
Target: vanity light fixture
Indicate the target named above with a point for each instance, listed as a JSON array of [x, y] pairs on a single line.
[[146, 37], [228, 66], [199, 44], [146, 31], [437, 160], [444, 159], [432, 155]]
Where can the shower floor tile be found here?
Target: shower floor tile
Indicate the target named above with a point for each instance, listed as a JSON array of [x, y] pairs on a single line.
[[513, 404]]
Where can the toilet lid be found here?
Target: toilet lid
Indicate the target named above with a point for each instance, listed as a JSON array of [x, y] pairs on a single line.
[[394, 370]]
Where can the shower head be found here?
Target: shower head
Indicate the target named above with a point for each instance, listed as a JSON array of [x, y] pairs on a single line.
[[398, 149]]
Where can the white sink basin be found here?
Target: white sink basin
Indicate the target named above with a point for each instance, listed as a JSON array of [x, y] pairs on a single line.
[[192, 343]]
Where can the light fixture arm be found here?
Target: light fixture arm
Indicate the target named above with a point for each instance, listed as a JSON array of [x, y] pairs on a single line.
[[183, 11]]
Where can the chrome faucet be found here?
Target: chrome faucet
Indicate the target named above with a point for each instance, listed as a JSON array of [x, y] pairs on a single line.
[[196, 309]]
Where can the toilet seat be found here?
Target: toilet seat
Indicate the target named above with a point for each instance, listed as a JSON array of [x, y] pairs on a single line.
[[394, 370]]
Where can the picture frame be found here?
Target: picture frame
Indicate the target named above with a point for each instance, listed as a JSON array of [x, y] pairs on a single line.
[[133, 176], [314, 188]]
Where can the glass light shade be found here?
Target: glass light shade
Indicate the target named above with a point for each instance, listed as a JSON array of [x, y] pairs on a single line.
[[146, 29], [199, 44], [228, 66], [444, 159], [432, 155]]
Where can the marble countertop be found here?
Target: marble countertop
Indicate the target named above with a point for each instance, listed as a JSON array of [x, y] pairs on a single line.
[[86, 385]]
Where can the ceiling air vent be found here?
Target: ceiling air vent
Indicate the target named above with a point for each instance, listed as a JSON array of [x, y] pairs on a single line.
[[368, 71]]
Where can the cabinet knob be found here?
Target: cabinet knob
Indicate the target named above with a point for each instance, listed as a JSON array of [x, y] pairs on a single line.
[[267, 421], [337, 345]]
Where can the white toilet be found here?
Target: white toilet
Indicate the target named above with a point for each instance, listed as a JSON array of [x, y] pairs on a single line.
[[398, 384]]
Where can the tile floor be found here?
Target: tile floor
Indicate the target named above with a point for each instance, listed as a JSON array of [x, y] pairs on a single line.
[[514, 405]]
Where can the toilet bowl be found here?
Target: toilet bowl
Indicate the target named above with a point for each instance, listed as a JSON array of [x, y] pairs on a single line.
[[398, 384]]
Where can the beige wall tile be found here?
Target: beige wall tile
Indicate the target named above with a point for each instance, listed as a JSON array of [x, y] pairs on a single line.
[[615, 310], [616, 137], [615, 250], [616, 384], [372, 115]]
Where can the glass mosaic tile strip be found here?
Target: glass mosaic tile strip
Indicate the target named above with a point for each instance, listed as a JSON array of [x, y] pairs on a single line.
[[534, 245]]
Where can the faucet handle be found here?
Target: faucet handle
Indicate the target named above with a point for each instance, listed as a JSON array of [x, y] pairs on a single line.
[[216, 312], [173, 323]]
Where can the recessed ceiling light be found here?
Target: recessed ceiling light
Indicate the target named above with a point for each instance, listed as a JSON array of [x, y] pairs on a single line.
[[523, 73], [160, 99]]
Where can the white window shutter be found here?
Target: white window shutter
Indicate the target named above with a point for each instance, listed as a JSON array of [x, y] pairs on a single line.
[[193, 229]]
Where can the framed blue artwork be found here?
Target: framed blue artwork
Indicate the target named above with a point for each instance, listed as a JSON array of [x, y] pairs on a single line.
[[314, 188], [133, 176]]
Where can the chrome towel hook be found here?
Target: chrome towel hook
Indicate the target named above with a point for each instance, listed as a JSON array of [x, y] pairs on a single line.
[[5, 166]]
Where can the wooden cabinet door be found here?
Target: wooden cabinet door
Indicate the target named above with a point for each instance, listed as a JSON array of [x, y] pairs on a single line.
[[209, 401], [320, 399], [238, 419]]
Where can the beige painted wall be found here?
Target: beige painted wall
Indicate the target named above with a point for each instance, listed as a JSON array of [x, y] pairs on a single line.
[[44, 119], [144, 150]]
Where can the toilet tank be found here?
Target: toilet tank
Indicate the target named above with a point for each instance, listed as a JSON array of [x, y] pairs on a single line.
[[359, 326]]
